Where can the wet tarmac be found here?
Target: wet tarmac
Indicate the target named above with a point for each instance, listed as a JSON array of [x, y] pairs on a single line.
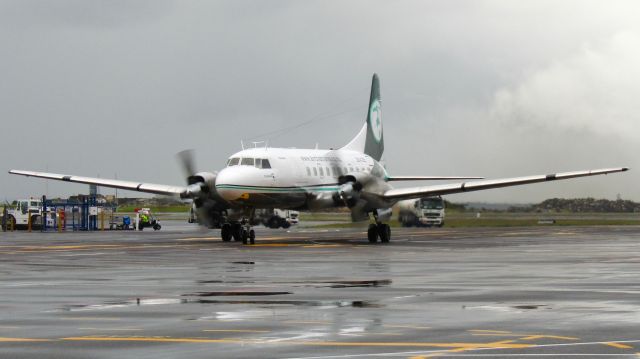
[[535, 292]]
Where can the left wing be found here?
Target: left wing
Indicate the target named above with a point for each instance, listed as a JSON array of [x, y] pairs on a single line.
[[425, 191], [132, 186]]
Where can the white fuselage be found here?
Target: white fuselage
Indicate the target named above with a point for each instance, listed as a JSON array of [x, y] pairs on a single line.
[[295, 178]]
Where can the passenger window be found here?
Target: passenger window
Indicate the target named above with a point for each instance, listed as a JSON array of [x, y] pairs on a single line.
[[328, 171], [265, 163], [233, 162], [247, 162], [351, 169], [321, 171], [308, 172], [315, 171], [345, 171]]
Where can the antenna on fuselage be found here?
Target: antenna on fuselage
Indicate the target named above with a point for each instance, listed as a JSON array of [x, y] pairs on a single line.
[[242, 144]]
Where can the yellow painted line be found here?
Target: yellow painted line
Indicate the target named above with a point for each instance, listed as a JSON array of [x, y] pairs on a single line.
[[10, 340], [323, 246], [496, 335], [236, 331], [618, 345], [196, 238], [306, 343], [405, 326], [90, 318], [111, 329], [541, 336]]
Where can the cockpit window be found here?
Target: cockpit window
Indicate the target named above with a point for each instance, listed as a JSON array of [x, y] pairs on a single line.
[[247, 162], [258, 162], [233, 161], [265, 163]]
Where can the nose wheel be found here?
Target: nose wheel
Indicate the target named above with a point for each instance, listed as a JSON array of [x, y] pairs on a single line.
[[238, 232]]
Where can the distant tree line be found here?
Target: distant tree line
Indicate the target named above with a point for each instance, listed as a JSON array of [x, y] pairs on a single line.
[[580, 205]]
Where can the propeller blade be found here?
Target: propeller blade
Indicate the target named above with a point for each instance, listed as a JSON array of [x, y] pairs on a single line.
[[186, 159]]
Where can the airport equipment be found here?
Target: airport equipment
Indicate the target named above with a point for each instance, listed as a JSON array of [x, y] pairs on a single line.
[[427, 211], [144, 219], [277, 218], [28, 214], [84, 214], [308, 179], [121, 223]]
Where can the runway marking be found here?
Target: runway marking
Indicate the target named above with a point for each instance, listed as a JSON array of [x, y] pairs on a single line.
[[112, 329], [90, 318], [540, 336], [618, 345], [236, 330], [306, 322], [196, 238]]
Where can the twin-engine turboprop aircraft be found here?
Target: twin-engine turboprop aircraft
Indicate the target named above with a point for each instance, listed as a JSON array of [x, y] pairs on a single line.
[[307, 179]]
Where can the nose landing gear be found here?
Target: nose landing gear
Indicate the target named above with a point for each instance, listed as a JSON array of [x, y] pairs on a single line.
[[240, 231]]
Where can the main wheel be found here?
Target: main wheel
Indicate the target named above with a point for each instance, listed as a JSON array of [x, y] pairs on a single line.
[[284, 224], [245, 236], [236, 231], [225, 232], [252, 236], [372, 233], [384, 231]]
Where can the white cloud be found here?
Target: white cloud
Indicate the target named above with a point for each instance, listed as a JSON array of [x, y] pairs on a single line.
[[595, 90]]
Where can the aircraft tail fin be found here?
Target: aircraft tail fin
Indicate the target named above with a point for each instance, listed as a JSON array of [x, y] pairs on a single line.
[[370, 139]]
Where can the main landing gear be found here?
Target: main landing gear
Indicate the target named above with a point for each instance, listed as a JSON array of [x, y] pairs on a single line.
[[240, 231], [378, 230]]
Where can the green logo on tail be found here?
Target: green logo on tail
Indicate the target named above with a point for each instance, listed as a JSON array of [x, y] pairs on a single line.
[[375, 120]]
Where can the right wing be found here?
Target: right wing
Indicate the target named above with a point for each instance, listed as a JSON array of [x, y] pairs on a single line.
[[429, 178], [426, 191], [128, 185]]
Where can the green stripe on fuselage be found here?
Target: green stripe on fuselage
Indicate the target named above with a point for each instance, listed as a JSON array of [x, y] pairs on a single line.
[[320, 188]]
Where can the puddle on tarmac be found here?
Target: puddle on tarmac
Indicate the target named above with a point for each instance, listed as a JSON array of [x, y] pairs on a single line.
[[530, 306], [359, 283], [321, 304], [225, 294]]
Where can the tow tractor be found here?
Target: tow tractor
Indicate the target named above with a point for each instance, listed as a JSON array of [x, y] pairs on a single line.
[[26, 211], [145, 219]]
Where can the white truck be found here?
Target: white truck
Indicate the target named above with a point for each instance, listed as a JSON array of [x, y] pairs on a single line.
[[276, 218], [428, 211], [18, 217]]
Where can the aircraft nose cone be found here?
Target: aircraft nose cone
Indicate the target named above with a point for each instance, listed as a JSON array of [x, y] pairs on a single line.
[[232, 182]]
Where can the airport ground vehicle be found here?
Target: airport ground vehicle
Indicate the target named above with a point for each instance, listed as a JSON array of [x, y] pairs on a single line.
[[278, 218], [144, 219], [427, 211], [26, 209]]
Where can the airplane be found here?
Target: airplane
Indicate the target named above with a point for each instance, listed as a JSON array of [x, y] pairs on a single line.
[[307, 179]]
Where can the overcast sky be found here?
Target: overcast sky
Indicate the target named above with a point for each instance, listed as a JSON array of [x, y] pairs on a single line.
[[488, 88]]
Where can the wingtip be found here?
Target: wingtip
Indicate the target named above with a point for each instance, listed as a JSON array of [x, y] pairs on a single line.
[[625, 169]]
